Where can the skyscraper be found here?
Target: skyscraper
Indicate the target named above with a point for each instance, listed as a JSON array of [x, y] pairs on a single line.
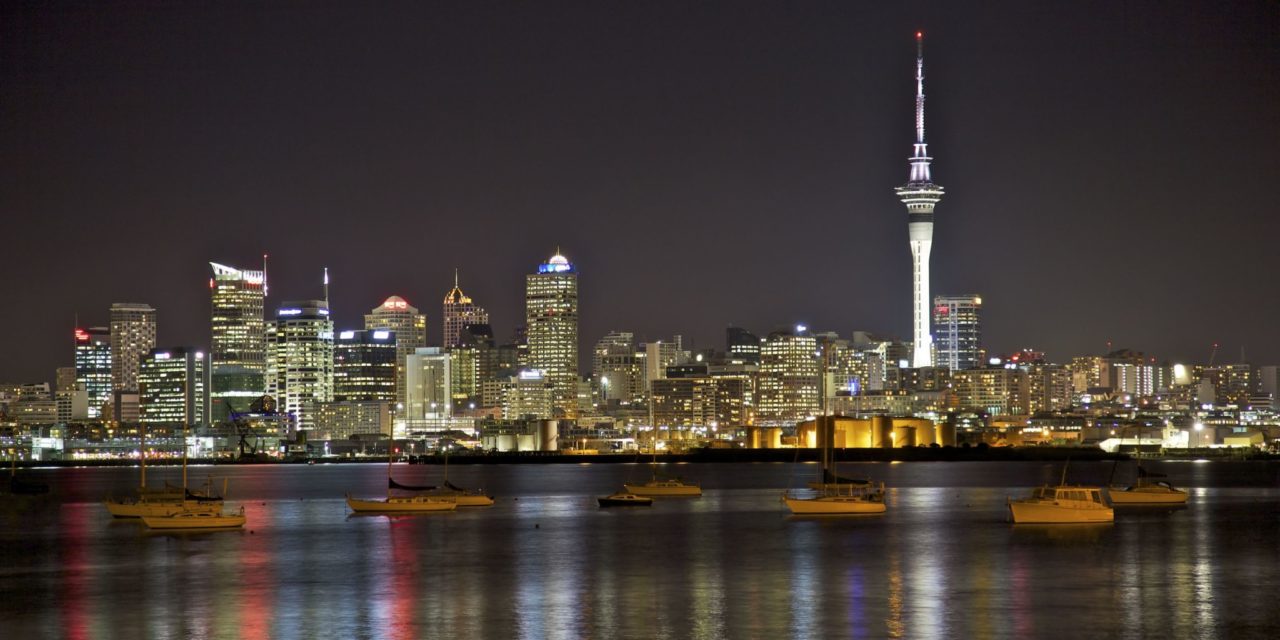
[[173, 388], [551, 313], [395, 314], [428, 385], [238, 353], [789, 378], [459, 311], [920, 195], [957, 328], [133, 334], [364, 366], [93, 366], [300, 369]]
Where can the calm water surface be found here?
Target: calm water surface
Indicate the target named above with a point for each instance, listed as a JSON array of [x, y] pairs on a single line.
[[545, 562]]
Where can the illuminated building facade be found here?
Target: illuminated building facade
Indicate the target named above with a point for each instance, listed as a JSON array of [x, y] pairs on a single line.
[[920, 195], [133, 334], [616, 368], [957, 331], [238, 341], [528, 395], [789, 378], [993, 390], [364, 366], [300, 370], [551, 313], [459, 311], [428, 385], [173, 388], [396, 315], [93, 367], [742, 345]]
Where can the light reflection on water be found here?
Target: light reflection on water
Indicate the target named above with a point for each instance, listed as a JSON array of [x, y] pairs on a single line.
[[545, 562]]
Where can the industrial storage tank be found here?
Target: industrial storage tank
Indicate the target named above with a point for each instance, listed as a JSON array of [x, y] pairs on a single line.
[[881, 432], [548, 435]]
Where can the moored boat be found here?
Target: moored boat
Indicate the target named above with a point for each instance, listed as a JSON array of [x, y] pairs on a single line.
[[144, 507], [402, 504], [852, 500], [1061, 505], [1147, 491], [188, 520], [664, 488], [624, 499]]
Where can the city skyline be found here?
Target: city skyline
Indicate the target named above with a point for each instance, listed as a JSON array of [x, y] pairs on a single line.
[[1085, 202]]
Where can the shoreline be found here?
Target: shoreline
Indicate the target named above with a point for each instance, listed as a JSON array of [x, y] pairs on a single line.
[[911, 454]]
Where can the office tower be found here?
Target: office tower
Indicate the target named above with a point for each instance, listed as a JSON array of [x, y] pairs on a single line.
[[660, 355], [133, 334], [788, 379], [173, 388], [410, 328], [551, 312], [238, 341], [920, 195], [71, 397], [300, 366], [742, 345], [364, 366], [428, 385], [459, 311], [617, 369], [528, 395], [993, 390], [93, 367], [957, 331]]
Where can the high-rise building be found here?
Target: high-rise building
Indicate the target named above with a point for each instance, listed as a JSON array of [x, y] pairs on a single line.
[[459, 311], [410, 328], [789, 378], [428, 385], [994, 390], [920, 195], [742, 345], [93, 367], [957, 331], [238, 343], [364, 366], [133, 334], [173, 388], [551, 312], [300, 369], [658, 356], [616, 368]]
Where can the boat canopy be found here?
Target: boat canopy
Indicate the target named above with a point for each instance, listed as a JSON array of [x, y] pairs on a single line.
[[391, 483]]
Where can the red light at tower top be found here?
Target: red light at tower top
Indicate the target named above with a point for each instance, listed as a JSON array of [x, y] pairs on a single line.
[[81, 335], [919, 35]]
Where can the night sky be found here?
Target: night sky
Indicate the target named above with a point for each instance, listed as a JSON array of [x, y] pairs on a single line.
[[1111, 167]]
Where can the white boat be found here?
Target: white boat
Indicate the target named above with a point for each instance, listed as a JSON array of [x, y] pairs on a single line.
[[624, 499], [836, 495], [1147, 491], [1062, 504], [464, 497], [664, 488], [196, 520], [402, 504], [868, 499]]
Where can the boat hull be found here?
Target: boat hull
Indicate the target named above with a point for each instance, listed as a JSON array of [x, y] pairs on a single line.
[[1047, 513], [1141, 496], [833, 505], [664, 490], [158, 509], [190, 523], [625, 500], [415, 504]]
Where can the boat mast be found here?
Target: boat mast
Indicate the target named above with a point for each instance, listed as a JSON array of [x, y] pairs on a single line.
[[142, 453]]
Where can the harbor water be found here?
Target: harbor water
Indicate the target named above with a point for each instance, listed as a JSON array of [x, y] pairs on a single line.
[[546, 562]]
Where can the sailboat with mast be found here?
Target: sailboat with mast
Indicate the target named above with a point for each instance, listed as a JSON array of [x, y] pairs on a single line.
[[165, 501], [464, 497], [836, 495], [418, 502], [658, 486]]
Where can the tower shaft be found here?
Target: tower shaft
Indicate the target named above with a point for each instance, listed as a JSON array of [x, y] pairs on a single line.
[[920, 195]]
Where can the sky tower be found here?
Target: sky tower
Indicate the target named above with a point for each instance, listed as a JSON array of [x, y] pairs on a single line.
[[920, 195]]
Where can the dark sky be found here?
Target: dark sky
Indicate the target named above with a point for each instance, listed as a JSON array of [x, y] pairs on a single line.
[[1111, 167]]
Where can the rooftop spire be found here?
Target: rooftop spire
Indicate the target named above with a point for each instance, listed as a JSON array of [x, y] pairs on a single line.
[[920, 158], [920, 87], [455, 277]]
